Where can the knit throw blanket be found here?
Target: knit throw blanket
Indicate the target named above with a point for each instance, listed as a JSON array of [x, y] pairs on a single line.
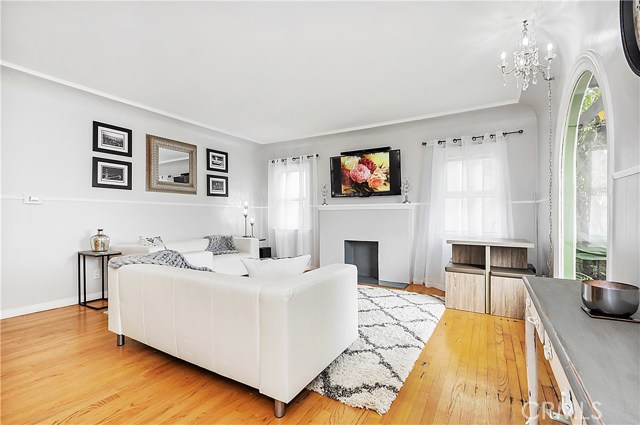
[[166, 257]]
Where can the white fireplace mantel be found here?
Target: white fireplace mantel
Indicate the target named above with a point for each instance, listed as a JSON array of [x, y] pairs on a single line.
[[343, 207], [391, 225]]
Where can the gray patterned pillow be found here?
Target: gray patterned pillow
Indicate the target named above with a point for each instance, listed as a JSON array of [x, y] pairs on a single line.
[[221, 244], [152, 241]]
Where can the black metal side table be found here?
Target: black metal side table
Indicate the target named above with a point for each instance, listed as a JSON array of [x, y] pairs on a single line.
[[82, 275], [265, 252]]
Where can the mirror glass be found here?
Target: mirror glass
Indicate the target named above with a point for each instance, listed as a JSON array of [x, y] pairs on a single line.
[[171, 165]]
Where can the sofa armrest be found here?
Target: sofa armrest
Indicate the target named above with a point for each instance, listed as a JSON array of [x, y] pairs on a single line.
[[248, 245], [305, 323]]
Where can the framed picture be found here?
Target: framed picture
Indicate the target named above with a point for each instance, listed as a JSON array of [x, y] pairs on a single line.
[[217, 161], [630, 31], [111, 139], [111, 174], [218, 186]]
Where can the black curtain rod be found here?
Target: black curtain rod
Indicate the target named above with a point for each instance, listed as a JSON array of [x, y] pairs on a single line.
[[273, 161], [474, 138]]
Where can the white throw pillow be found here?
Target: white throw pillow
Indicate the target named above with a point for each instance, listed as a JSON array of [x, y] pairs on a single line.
[[276, 268]]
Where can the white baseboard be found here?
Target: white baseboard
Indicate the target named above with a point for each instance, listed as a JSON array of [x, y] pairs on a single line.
[[49, 305]]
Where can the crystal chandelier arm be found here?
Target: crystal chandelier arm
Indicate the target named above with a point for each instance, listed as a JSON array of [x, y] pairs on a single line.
[[545, 70], [504, 72]]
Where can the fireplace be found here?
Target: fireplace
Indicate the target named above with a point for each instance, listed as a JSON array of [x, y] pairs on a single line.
[[388, 225], [364, 255]]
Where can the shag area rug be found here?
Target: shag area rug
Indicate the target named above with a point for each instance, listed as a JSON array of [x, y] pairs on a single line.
[[393, 326]]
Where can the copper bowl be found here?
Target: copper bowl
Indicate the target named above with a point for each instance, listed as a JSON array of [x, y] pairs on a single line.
[[614, 298]]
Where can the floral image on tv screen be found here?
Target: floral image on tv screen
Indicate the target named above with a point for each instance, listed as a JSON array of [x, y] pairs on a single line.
[[365, 174]]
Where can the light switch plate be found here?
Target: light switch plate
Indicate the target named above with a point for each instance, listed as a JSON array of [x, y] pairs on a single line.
[[32, 200]]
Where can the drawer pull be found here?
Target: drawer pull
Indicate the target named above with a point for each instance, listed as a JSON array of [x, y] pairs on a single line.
[[532, 320], [556, 417], [567, 403]]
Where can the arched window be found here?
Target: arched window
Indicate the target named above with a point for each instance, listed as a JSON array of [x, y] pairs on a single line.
[[584, 193]]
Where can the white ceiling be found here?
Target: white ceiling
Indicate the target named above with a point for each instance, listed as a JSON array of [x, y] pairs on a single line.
[[271, 72]]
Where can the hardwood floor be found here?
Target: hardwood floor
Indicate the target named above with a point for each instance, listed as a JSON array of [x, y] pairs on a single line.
[[63, 366]]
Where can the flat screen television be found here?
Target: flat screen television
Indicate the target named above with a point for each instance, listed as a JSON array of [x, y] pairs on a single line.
[[366, 173]]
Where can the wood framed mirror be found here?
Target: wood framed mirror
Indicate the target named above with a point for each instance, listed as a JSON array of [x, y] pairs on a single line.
[[171, 166]]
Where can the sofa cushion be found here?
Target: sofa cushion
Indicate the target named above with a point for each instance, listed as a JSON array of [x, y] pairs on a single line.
[[221, 244], [276, 268], [199, 258]]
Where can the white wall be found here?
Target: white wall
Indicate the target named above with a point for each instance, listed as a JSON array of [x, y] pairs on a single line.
[[47, 151], [523, 155], [575, 28]]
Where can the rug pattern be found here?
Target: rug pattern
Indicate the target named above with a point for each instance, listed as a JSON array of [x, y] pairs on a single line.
[[393, 328]]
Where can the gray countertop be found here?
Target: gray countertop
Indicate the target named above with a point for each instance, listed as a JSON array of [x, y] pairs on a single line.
[[601, 358], [510, 243]]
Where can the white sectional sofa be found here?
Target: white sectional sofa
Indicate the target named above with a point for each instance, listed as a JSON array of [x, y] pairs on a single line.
[[276, 336], [194, 250]]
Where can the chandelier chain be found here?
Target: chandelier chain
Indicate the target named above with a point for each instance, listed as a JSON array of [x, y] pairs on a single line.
[[550, 255]]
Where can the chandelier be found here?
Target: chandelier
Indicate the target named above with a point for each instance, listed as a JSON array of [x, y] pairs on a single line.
[[525, 60]]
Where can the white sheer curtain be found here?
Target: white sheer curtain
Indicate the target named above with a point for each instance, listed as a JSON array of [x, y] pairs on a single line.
[[293, 214], [465, 194]]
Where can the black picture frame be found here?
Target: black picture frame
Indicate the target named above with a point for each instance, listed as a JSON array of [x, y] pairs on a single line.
[[218, 186], [111, 174], [217, 161], [629, 27], [111, 139]]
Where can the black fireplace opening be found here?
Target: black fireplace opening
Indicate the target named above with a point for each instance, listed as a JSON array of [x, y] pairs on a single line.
[[364, 255]]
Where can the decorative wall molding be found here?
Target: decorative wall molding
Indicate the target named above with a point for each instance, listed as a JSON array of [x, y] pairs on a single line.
[[395, 122], [533, 201], [120, 99], [193, 204], [626, 172], [45, 199], [405, 206]]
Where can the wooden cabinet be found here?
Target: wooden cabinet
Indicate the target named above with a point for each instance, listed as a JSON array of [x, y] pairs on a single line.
[[485, 276], [465, 289], [507, 297], [507, 291]]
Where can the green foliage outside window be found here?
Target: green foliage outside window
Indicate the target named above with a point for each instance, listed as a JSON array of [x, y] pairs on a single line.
[[591, 190]]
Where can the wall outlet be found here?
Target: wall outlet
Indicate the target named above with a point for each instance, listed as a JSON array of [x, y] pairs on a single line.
[[32, 200], [96, 274]]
